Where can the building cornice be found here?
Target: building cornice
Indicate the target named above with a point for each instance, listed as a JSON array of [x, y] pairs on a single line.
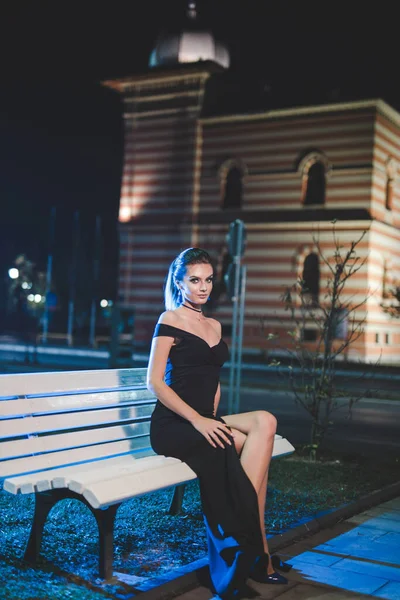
[[200, 70], [274, 216], [378, 105]]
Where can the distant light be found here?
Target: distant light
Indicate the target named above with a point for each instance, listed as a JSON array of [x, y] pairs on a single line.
[[31, 298], [37, 298], [26, 285], [103, 303], [192, 13], [13, 273], [125, 214]]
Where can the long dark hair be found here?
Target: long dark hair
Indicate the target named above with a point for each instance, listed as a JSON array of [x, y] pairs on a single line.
[[177, 271]]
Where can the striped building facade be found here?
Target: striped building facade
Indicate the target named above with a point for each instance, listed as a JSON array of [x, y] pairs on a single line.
[[290, 175]]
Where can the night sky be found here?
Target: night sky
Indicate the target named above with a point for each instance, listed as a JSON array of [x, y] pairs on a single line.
[[61, 131]]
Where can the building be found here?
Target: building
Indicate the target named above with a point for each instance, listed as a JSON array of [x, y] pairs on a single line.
[[288, 173]]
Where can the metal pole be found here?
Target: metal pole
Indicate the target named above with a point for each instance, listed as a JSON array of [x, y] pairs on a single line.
[[72, 289], [96, 272], [240, 338], [233, 349], [234, 323], [48, 275]]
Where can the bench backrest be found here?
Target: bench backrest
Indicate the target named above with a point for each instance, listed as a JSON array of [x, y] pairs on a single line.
[[48, 420]]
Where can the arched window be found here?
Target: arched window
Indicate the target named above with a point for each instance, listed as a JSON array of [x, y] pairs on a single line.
[[387, 280], [315, 185], [233, 192], [310, 279], [389, 193], [391, 171]]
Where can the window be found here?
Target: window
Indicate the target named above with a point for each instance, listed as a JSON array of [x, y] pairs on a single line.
[[315, 185], [233, 192], [340, 323], [391, 174], [377, 338], [387, 338], [310, 278], [385, 277], [389, 193], [309, 335], [387, 280]]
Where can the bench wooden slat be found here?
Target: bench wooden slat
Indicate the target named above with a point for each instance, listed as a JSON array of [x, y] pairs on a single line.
[[89, 401], [60, 477], [101, 495], [29, 384], [99, 483], [282, 447], [37, 445], [74, 420], [50, 443], [67, 457], [79, 482]]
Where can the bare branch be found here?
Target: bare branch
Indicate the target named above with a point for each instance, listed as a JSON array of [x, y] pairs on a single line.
[[312, 381]]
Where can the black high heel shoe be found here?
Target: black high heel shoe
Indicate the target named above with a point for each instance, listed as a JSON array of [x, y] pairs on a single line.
[[278, 564], [260, 573]]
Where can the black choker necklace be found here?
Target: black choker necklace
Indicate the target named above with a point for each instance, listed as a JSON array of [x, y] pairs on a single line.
[[198, 310]]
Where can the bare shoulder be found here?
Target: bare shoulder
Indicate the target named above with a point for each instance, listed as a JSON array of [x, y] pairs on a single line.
[[216, 324], [169, 317]]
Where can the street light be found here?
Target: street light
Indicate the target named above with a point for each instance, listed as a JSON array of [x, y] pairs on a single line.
[[13, 273], [104, 303]]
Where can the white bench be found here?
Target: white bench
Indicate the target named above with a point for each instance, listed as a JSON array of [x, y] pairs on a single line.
[[85, 435]]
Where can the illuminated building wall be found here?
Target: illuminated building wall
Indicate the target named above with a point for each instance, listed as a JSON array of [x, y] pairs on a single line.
[[286, 173], [160, 182], [353, 149]]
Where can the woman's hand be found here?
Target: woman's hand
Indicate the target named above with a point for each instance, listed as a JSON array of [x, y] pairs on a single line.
[[214, 431]]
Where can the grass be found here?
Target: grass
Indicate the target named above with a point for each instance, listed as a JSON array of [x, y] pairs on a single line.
[[148, 541]]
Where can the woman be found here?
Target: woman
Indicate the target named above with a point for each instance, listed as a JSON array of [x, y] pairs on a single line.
[[186, 356]]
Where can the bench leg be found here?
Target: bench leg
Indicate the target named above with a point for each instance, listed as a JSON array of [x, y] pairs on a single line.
[[177, 499], [105, 522], [44, 502]]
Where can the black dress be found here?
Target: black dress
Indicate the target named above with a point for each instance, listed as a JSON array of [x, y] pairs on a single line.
[[229, 500]]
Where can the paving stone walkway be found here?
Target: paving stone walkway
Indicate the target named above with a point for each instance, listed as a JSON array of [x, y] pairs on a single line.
[[356, 559]]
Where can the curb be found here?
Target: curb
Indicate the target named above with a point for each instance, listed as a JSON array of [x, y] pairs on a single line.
[[161, 590]]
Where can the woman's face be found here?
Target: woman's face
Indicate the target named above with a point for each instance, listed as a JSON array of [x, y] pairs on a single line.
[[197, 283]]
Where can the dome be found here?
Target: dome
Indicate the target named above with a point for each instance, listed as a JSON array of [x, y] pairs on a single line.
[[188, 46]]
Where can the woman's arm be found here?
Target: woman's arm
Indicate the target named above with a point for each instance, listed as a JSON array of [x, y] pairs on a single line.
[[160, 349], [217, 398]]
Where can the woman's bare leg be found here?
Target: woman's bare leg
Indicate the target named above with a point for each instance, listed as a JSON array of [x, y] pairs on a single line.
[[262, 498], [259, 427], [254, 437], [240, 439]]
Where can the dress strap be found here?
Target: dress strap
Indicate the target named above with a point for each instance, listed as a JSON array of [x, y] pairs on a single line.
[[162, 329]]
